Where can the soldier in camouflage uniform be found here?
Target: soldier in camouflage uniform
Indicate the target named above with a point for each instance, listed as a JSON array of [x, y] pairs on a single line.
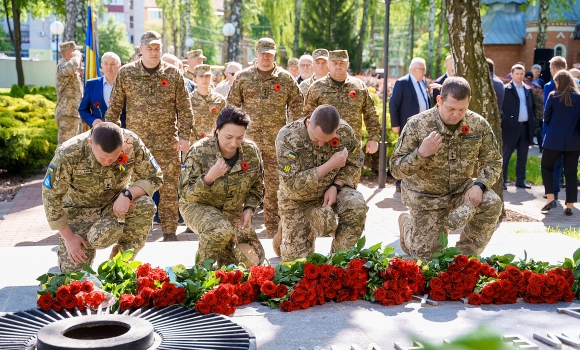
[[206, 104], [136, 55], [292, 67], [220, 187], [194, 58], [86, 191], [349, 95], [320, 57], [318, 161], [271, 97], [435, 157], [69, 91], [159, 111]]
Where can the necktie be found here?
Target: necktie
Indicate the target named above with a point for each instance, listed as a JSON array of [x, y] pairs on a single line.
[[423, 94]]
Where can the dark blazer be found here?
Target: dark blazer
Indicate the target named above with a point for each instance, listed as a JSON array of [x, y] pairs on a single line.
[[437, 92], [403, 103], [562, 123], [93, 104], [511, 110], [499, 90]]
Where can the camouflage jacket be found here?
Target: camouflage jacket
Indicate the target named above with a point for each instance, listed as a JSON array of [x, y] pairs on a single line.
[[430, 183], [205, 112], [76, 179], [350, 105], [189, 75], [69, 87], [267, 101], [157, 104], [305, 85], [298, 159], [237, 189]]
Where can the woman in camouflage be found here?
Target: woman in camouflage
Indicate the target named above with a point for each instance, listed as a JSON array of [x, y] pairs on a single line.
[[221, 185]]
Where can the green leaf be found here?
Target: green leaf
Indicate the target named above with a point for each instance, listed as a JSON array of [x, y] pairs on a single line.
[[134, 264], [88, 269], [338, 259], [576, 255], [42, 278], [443, 240], [127, 255], [361, 243], [376, 247]]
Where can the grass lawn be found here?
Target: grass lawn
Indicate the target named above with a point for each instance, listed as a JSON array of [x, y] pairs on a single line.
[[569, 231], [533, 170]]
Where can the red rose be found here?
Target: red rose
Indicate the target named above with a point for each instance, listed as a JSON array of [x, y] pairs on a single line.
[[98, 298], [438, 294], [444, 276], [486, 299], [548, 290], [338, 272], [281, 290], [75, 287], [380, 294], [269, 288], [388, 302], [305, 304], [356, 264], [321, 299], [336, 284], [45, 301], [217, 309], [352, 94], [97, 104], [146, 293], [456, 295], [138, 301], [326, 282], [326, 270], [159, 275], [69, 302], [534, 300], [286, 306], [214, 110], [465, 129], [534, 290], [311, 271], [164, 82], [143, 270], [329, 293], [202, 307], [568, 296], [298, 295], [80, 303], [334, 141], [245, 166], [461, 260], [62, 292], [456, 277], [474, 264], [56, 304], [436, 283], [169, 289], [277, 87], [341, 295], [551, 279], [514, 273], [126, 301], [222, 275], [210, 298], [238, 275], [87, 287]]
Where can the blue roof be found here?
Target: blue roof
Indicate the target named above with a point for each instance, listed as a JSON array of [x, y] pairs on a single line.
[[557, 12], [503, 28], [489, 2]]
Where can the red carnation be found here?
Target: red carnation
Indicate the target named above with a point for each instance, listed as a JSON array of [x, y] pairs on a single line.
[[45, 301], [334, 141], [277, 87], [202, 307], [56, 305], [352, 94], [62, 292], [465, 129], [286, 306], [214, 110], [281, 290], [268, 288], [245, 166], [75, 287], [164, 82], [87, 287], [97, 104]]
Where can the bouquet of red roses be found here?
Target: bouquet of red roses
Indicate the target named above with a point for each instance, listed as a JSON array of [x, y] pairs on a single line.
[[402, 280]]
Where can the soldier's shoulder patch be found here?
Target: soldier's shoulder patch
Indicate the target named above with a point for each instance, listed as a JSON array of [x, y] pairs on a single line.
[[353, 150], [154, 162], [287, 169], [47, 181], [292, 155]]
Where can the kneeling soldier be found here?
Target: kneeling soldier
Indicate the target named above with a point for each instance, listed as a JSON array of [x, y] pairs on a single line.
[[85, 192]]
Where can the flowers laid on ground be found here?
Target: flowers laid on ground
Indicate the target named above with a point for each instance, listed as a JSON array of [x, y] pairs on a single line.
[[373, 274]]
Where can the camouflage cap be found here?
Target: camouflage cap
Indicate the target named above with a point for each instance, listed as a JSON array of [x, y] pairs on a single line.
[[150, 37], [293, 62], [202, 69], [137, 50], [197, 54], [266, 45], [69, 45], [338, 55], [320, 53]]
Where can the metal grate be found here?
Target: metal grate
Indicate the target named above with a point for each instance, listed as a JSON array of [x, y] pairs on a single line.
[[178, 327]]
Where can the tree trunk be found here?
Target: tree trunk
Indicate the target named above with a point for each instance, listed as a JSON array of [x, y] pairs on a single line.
[[440, 39], [234, 40], [431, 37], [361, 39], [17, 41], [187, 25], [355, 18], [182, 53], [542, 24], [466, 46], [297, 27], [70, 25], [411, 30], [174, 26]]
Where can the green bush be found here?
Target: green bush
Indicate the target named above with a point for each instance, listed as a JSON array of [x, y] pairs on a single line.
[[28, 133], [15, 91], [47, 91]]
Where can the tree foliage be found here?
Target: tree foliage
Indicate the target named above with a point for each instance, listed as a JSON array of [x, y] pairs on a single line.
[[113, 37]]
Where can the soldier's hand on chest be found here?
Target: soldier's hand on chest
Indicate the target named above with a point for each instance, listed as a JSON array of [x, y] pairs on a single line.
[[338, 160], [216, 171], [430, 145]]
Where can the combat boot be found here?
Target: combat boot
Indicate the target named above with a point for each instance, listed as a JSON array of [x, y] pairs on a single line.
[[277, 241], [402, 218]]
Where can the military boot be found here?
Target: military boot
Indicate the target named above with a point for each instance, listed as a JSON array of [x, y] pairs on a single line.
[[277, 241]]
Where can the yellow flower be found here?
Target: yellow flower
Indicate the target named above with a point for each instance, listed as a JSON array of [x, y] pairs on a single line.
[[425, 268]]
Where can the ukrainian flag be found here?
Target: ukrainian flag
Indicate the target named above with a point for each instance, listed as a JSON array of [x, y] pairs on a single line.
[[92, 61]]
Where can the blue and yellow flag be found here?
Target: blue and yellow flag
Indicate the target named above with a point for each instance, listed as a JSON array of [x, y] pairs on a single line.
[[92, 61]]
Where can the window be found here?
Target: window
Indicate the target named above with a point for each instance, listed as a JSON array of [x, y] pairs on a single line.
[[113, 2], [560, 50], [154, 13], [117, 16]]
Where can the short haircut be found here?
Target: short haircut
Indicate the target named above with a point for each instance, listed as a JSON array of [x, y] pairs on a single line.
[[232, 115], [517, 66], [327, 118], [536, 66], [415, 61], [456, 87], [490, 64], [113, 55], [233, 64], [108, 136], [449, 57], [172, 59], [558, 62], [306, 57]]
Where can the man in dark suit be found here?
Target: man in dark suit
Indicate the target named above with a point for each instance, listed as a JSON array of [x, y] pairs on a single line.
[[410, 97], [517, 124], [436, 85], [497, 84], [95, 100]]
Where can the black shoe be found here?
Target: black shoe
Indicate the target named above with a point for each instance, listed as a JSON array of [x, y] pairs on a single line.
[[562, 185], [550, 205], [523, 185], [505, 186], [546, 197], [397, 188], [172, 237], [188, 230], [568, 211]]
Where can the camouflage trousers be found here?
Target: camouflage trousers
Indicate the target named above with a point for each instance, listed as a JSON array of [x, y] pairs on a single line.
[[303, 222], [68, 127], [271, 185], [170, 163], [101, 229], [219, 238], [422, 229]]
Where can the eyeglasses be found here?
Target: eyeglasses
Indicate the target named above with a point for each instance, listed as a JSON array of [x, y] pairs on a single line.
[[304, 65]]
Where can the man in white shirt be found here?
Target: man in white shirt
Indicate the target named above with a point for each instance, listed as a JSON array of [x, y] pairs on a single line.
[[223, 88]]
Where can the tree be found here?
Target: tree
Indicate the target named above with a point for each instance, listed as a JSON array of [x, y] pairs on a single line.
[[297, 27], [280, 14], [466, 45], [431, 37], [234, 16], [73, 9], [113, 37], [5, 42], [440, 39], [362, 37], [206, 29], [542, 24]]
